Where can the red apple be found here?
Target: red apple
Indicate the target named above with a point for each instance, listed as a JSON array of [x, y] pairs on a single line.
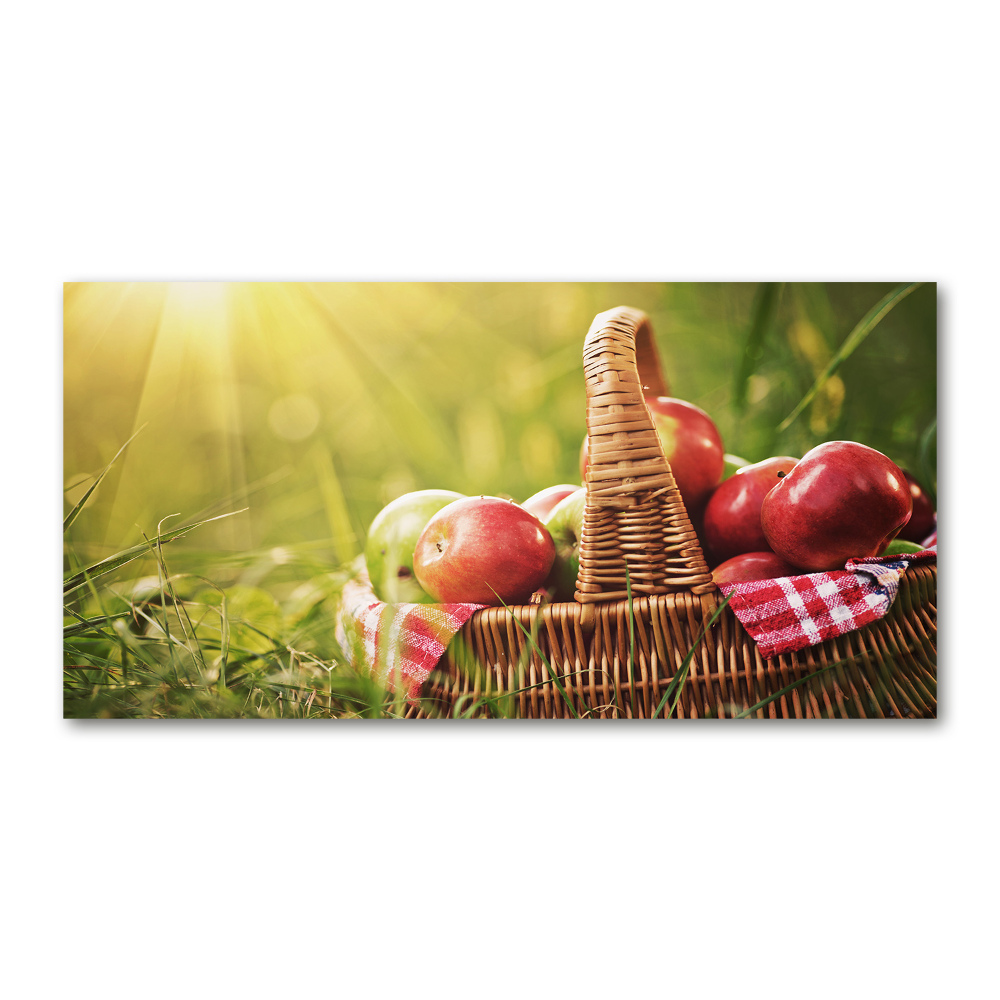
[[483, 550], [544, 501], [842, 500], [691, 444], [732, 463], [732, 517], [929, 541], [392, 538], [923, 520], [752, 566]]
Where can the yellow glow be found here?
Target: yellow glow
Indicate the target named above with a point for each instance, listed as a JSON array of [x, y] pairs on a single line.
[[293, 417], [224, 376], [193, 296]]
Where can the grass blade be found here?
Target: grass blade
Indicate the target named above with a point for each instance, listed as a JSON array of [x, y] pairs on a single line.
[[788, 687], [869, 321], [84, 625], [802, 680], [548, 666], [677, 684], [762, 313], [111, 563], [927, 468], [342, 534], [75, 512]]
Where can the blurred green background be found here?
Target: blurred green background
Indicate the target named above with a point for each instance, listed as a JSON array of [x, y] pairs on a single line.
[[316, 404]]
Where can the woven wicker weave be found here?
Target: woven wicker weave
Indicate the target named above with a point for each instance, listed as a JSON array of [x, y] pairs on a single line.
[[609, 666]]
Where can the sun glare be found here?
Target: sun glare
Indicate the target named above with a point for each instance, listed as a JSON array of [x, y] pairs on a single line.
[[208, 295]]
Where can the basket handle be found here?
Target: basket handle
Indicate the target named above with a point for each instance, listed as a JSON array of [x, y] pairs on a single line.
[[634, 516]]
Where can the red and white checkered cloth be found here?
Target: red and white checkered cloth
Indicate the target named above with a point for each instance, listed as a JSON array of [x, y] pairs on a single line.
[[792, 612], [398, 643]]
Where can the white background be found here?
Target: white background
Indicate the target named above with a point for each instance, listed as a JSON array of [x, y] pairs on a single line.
[[457, 141]]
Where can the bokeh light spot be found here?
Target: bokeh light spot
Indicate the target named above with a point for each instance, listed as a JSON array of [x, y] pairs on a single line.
[[293, 417]]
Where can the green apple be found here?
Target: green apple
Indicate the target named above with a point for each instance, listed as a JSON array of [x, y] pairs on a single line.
[[392, 538], [565, 525], [901, 547]]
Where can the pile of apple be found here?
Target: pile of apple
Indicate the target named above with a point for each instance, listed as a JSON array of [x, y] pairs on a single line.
[[435, 546], [778, 517]]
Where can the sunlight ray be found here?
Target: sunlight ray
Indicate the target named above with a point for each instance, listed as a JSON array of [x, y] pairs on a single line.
[[187, 382]]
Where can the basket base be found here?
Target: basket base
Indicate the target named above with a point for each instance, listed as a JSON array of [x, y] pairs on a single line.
[[597, 661]]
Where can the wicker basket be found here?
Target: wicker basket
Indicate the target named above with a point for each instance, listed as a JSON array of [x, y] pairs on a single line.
[[610, 664]]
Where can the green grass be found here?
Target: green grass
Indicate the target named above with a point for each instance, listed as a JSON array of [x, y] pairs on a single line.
[[854, 339], [179, 645]]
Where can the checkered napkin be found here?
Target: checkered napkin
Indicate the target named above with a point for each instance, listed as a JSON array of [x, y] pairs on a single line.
[[793, 612], [398, 643]]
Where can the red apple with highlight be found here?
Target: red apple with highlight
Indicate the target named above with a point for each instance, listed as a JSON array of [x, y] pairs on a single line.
[[843, 500], [391, 540], [731, 463], [732, 516], [483, 550]]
